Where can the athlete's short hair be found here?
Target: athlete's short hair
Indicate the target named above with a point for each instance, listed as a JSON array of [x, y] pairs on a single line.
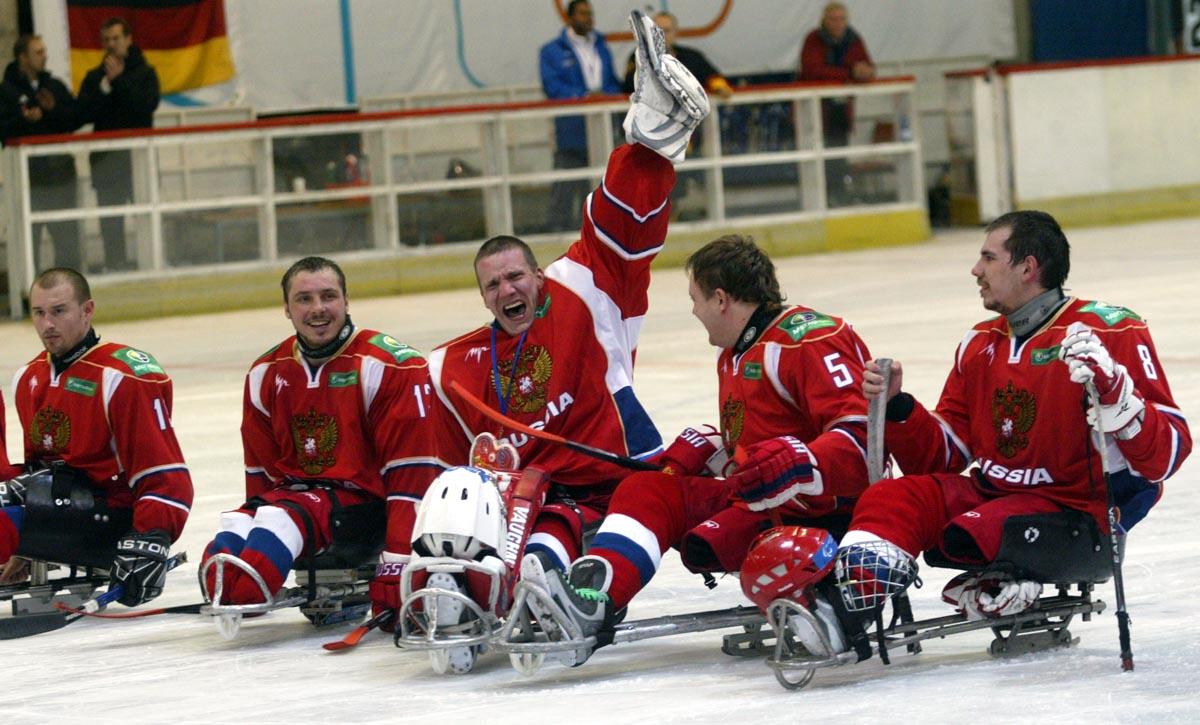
[[53, 277], [22, 44], [311, 264], [503, 243], [1037, 234], [125, 29], [735, 264]]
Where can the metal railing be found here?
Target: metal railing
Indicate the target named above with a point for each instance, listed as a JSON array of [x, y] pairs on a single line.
[[386, 182]]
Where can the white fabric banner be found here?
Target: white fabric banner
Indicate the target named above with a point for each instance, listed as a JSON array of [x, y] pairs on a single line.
[[290, 54]]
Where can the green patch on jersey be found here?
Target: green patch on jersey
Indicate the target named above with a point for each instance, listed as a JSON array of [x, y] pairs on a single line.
[[269, 352], [343, 380], [752, 371], [139, 362], [83, 387], [393, 347], [1111, 314], [1044, 355], [801, 323]]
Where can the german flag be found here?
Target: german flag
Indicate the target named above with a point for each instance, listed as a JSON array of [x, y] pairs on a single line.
[[184, 40]]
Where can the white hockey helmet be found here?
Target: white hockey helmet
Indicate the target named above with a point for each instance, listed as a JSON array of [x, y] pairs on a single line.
[[461, 516]]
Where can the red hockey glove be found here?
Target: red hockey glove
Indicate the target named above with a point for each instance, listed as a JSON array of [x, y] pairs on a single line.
[[696, 452], [776, 471], [385, 587], [1090, 362]]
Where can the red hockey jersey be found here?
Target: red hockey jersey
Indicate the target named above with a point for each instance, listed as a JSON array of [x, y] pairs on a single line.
[[1013, 409], [361, 420], [109, 415], [802, 377], [7, 470], [574, 374]]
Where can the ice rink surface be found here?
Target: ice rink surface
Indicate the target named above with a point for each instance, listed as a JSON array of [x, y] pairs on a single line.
[[911, 303]]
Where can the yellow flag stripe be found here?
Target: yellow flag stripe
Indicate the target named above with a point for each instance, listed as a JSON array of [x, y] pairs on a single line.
[[181, 69]]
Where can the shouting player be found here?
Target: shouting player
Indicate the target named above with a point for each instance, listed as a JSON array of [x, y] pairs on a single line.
[[103, 467], [793, 420], [1014, 405], [334, 417], [559, 353]]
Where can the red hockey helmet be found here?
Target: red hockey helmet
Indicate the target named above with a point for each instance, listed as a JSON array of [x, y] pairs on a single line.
[[784, 561]]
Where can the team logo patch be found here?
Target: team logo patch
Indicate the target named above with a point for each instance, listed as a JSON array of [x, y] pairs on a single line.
[[752, 371], [1111, 314], [801, 323], [50, 430], [1044, 356], [525, 387], [393, 347], [139, 362], [314, 436], [83, 387], [1013, 413], [733, 419], [343, 380]]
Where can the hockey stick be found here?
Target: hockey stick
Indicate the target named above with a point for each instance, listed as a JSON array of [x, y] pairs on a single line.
[[31, 624], [135, 613], [350, 640], [597, 453], [1114, 534], [876, 421]]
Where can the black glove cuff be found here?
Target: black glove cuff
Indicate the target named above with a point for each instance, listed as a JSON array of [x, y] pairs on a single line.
[[900, 407]]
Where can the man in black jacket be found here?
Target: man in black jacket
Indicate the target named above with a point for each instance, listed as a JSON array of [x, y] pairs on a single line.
[[121, 92], [34, 103]]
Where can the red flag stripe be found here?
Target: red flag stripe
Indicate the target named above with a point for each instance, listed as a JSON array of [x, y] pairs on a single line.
[[164, 28]]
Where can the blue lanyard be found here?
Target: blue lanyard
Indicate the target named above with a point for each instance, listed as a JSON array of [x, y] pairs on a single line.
[[512, 379]]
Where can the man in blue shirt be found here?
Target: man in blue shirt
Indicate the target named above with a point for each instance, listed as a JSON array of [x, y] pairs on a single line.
[[576, 64]]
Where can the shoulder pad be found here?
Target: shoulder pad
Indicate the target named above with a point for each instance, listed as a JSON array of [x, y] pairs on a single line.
[[398, 350], [1109, 314], [140, 363], [799, 324]]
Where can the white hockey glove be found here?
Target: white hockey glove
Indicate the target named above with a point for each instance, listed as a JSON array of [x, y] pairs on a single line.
[[667, 102], [990, 595], [1121, 409]]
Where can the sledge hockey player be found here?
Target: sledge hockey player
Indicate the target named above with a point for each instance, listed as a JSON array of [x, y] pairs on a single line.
[[559, 354], [105, 482], [793, 433], [1013, 408], [335, 421], [7, 470]]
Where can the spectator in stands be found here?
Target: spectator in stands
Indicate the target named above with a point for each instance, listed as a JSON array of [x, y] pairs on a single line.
[[121, 92], [836, 52], [35, 103], [575, 64], [692, 59]]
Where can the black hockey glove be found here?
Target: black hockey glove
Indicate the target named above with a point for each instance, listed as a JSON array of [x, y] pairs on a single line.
[[140, 566]]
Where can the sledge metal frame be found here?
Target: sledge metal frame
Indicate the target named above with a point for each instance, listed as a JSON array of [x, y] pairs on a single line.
[[560, 637], [40, 592], [1043, 626], [418, 628], [322, 602]]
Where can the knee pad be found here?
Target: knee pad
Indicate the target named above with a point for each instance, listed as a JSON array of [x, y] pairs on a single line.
[[279, 522]]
